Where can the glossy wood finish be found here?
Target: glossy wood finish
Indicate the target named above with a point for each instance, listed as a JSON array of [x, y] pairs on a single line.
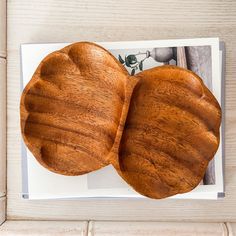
[[82, 111], [71, 109], [48, 21], [171, 132]]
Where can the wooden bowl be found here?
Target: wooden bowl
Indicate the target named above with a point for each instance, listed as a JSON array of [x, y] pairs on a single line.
[[82, 111]]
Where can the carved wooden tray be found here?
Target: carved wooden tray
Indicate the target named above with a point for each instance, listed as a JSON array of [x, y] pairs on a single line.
[[82, 111]]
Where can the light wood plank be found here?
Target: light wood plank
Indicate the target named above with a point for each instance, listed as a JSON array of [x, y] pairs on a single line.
[[106, 209], [63, 21], [43, 228], [2, 209], [231, 228], [2, 127], [3, 33], [155, 228]]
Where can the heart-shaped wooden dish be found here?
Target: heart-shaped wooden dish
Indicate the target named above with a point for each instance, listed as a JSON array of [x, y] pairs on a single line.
[[82, 111]]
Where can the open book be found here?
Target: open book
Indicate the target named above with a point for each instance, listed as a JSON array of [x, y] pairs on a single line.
[[204, 56]]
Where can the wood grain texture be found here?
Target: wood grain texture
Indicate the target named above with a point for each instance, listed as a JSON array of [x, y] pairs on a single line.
[[170, 129], [231, 228], [119, 209], [155, 228], [3, 134], [105, 228], [2, 210], [43, 228], [202, 69], [181, 57], [34, 21], [3, 28], [171, 132], [71, 109]]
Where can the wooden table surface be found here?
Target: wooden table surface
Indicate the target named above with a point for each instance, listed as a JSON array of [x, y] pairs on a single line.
[[33, 21]]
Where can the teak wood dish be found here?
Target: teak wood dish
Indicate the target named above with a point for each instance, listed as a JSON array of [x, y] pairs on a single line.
[[82, 111]]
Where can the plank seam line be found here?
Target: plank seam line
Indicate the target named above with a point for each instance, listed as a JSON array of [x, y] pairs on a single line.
[[90, 228], [228, 228]]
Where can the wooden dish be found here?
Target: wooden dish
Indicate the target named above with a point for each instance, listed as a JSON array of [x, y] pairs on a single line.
[[82, 111]]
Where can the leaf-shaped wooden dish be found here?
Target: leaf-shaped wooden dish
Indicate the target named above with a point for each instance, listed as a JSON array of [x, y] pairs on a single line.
[[82, 111]]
